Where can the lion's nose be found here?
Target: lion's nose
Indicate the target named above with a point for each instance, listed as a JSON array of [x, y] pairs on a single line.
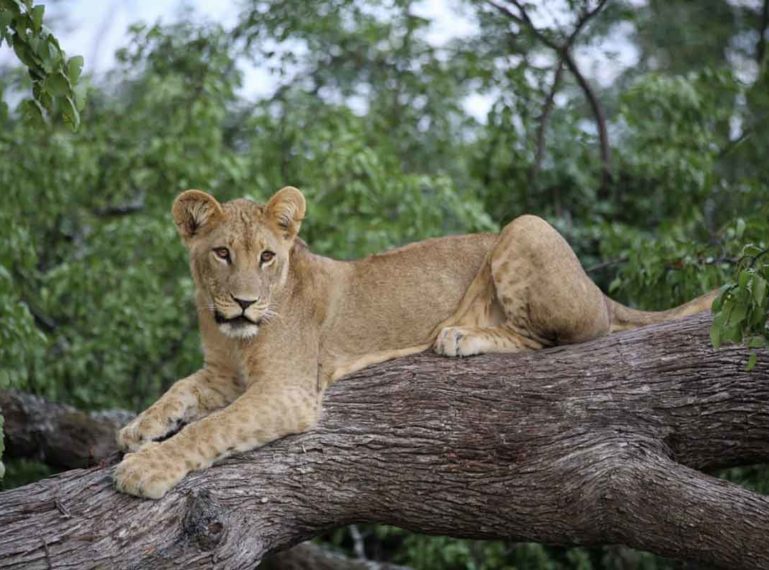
[[244, 303]]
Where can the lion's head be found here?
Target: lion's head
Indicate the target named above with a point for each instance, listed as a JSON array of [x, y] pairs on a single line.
[[239, 253]]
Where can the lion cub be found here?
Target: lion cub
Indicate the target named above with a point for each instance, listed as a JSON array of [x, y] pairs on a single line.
[[279, 323]]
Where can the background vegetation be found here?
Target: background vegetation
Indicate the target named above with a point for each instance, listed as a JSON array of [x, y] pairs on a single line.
[[657, 177]]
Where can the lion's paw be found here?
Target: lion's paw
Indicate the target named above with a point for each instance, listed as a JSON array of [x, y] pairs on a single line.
[[142, 430], [147, 473], [456, 341]]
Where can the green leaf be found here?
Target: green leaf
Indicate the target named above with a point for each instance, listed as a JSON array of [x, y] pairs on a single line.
[[32, 112], [5, 20], [37, 18], [25, 54], [751, 361], [58, 85], [738, 311], [74, 68], [71, 114], [715, 335], [759, 289]]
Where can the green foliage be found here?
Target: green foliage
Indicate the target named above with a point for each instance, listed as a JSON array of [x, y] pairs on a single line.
[[93, 253], [423, 552], [739, 312], [54, 76], [369, 119], [676, 128], [23, 471]]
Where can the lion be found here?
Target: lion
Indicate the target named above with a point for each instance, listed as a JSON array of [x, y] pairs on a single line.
[[279, 323]]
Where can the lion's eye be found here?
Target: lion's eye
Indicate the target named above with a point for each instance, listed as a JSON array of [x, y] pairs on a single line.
[[222, 253], [267, 256]]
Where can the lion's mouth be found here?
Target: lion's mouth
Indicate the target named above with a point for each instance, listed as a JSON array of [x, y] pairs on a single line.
[[239, 321]]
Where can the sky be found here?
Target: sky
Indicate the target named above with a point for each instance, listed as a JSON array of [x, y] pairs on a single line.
[[95, 29]]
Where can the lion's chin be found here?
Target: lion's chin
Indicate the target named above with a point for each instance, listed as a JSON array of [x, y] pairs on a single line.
[[239, 330]]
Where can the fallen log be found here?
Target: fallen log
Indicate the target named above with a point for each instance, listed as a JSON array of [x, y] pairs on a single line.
[[601, 443]]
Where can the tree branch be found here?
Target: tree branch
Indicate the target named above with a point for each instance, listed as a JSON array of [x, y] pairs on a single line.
[[600, 120], [544, 117], [763, 28], [563, 50], [588, 444], [67, 438]]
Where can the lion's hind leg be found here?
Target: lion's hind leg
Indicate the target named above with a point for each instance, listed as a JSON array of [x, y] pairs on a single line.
[[530, 293], [542, 288]]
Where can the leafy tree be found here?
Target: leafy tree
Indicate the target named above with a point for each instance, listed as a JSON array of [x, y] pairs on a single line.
[[54, 77], [369, 119]]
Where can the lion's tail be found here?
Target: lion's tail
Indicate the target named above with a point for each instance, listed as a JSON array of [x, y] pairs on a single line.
[[624, 318]]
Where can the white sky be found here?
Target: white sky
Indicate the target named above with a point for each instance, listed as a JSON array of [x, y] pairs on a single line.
[[97, 28]]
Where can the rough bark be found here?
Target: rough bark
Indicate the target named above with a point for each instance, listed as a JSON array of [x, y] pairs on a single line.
[[67, 438], [599, 443]]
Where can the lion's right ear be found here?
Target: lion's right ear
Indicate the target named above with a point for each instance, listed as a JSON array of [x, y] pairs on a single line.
[[195, 211]]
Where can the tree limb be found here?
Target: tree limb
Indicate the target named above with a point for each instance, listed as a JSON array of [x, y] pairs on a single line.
[[563, 50], [763, 28], [599, 443], [599, 116], [544, 117], [67, 438]]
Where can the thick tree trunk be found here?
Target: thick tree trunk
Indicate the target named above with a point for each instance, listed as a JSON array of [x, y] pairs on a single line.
[[600, 443]]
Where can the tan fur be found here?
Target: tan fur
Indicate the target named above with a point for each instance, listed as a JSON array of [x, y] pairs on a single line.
[[311, 320]]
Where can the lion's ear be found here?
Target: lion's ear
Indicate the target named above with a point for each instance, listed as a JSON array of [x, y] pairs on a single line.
[[287, 208], [195, 211]]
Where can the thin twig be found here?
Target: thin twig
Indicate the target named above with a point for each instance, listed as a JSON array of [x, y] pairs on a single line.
[[607, 263]]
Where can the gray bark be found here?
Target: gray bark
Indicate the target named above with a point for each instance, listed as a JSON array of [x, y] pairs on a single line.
[[67, 438], [600, 443]]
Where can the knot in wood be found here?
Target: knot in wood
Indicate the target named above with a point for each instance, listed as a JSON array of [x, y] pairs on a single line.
[[203, 521]]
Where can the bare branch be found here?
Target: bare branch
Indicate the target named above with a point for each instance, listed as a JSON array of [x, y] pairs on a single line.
[[607, 263], [544, 117], [763, 29], [600, 120], [564, 53]]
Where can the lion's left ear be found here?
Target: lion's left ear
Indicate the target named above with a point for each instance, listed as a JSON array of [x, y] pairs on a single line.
[[287, 208]]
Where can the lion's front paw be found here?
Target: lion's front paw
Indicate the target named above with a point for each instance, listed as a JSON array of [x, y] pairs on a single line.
[[147, 473], [456, 341], [141, 431]]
